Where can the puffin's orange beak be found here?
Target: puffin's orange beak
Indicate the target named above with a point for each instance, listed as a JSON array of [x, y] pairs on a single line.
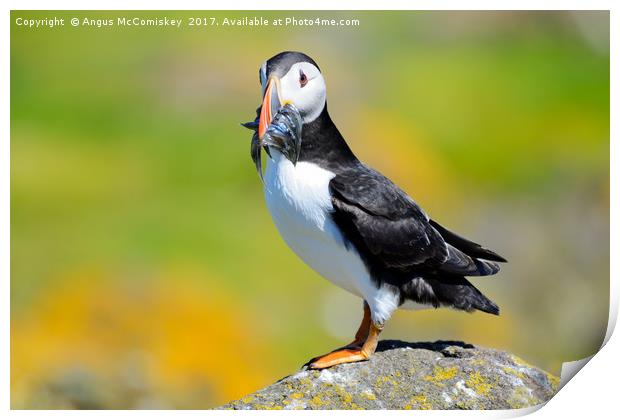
[[271, 104]]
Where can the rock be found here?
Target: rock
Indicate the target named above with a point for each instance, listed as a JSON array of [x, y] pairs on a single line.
[[441, 375]]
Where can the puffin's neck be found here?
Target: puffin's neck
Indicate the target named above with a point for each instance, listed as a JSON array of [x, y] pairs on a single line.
[[322, 144]]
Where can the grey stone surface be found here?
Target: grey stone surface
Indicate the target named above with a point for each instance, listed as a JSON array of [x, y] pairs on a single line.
[[440, 375]]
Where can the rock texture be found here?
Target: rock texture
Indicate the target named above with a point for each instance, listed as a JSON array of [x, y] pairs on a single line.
[[426, 376]]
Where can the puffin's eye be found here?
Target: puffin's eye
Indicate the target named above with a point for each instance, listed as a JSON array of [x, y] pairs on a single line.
[[303, 79]]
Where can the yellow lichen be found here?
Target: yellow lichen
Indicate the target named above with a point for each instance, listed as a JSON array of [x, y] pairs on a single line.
[[418, 402], [305, 383], [513, 372], [441, 374], [384, 380], [344, 396], [466, 405], [316, 401], [478, 384], [521, 398], [520, 361], [297, 395], [370, 395], [248, 399], [554, 380], [268, 406]]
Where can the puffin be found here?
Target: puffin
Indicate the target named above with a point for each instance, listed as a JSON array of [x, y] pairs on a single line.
[[347, 221]]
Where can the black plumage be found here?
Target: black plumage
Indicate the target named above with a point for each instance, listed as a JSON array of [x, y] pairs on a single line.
[[280, 63], [400, 245]]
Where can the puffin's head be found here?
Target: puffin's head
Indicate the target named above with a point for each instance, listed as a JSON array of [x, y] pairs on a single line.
[[291, 77]]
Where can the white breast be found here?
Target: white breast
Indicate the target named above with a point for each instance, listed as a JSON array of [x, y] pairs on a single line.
[[299, 202]]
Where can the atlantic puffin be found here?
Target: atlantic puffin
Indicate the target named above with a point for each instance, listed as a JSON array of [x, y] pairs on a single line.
[[347, 221]]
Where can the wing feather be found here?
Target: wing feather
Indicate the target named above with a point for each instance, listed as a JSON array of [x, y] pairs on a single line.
[[392, 232]]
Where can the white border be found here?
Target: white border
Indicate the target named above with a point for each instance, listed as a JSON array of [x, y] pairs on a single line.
[[592, 394]]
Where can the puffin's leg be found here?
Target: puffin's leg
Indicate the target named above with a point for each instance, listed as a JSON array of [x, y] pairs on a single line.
[[362, 331], [338, 357], [360, 335]]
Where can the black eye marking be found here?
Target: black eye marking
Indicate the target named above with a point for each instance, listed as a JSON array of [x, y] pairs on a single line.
[[303, 79]]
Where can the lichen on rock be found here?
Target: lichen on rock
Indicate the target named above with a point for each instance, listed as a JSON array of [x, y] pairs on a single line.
[[424, 376]]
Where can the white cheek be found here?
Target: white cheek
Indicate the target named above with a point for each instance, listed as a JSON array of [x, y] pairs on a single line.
[[314, 99], [310, 99]]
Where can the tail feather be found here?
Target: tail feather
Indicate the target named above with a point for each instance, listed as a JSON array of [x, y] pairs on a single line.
[[470, 248], [461, 294], [462, 264]]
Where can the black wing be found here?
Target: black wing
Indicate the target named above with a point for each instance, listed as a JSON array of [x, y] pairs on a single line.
[[470, 248], [392, 232]]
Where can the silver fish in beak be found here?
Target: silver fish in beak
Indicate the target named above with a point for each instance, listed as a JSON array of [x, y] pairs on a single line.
[[275, 126]]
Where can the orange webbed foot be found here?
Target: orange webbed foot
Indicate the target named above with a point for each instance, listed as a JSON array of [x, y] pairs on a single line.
[[361, 348], [337, 357]]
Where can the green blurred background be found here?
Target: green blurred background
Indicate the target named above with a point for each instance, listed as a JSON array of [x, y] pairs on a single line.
[[146, 272]]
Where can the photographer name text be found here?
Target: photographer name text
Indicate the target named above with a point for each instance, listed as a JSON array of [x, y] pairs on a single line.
[[196, 21]]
